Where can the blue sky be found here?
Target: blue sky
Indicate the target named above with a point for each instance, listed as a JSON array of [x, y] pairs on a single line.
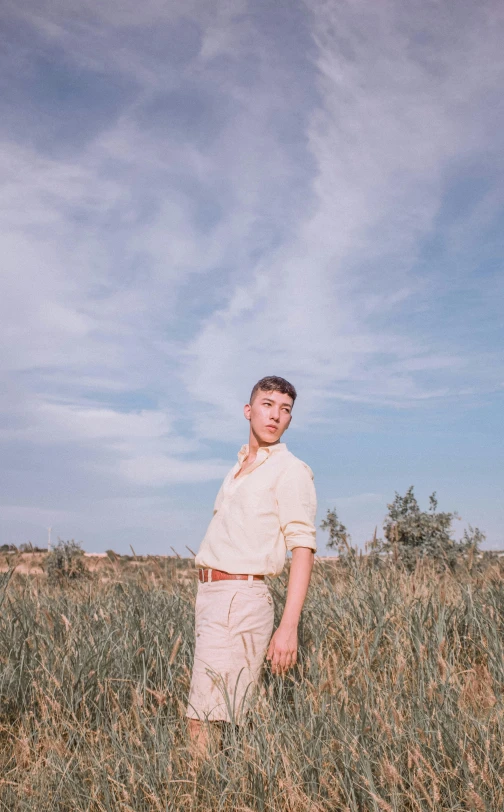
[[198, 194]]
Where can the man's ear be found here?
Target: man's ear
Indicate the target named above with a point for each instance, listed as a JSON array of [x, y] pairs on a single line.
[[246, 411]]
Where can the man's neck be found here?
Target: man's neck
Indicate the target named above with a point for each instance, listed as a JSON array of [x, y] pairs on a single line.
[[255, 444]]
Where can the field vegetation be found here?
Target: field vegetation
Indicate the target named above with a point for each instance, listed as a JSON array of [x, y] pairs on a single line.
[[396, 704]]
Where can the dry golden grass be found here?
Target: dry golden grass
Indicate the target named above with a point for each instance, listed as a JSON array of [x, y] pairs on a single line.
[[397, 702]]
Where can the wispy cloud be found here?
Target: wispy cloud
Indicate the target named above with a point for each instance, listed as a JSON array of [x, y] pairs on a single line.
[[348, 302], [196, 196]]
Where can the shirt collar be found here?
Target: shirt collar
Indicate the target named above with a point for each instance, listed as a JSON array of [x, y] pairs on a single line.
[[264, 451]]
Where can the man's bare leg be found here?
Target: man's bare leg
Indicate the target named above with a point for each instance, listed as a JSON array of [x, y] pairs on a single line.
[[200, 734]]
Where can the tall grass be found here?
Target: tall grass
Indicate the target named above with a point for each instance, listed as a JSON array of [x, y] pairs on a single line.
[[396, 704]]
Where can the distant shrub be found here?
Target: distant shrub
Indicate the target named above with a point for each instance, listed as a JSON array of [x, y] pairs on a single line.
[[65, 562], [412, 533], [339, 537], [28, 547]]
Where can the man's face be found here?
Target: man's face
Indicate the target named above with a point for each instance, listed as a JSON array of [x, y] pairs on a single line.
[[269, 415]]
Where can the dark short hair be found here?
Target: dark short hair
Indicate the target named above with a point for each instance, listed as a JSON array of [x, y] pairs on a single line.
[[272, 383]]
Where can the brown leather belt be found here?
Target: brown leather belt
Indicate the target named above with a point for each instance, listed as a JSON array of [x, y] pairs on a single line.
[[219, 575]]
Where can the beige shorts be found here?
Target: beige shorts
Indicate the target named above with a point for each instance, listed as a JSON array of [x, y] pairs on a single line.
[[234, 624]]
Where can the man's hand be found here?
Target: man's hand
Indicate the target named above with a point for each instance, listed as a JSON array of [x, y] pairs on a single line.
[[282, 651]]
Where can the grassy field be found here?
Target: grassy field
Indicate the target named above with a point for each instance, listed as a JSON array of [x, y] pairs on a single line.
[[397, 703]]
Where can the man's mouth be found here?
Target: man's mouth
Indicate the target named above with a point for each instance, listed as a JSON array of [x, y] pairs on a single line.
[[273, 428]]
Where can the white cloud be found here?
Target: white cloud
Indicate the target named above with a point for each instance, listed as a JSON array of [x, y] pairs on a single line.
[[78, 423], [324, 309], [277, 228], [159, 470]]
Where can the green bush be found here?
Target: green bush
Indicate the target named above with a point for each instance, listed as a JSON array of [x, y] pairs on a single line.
[[411, 533], [65, 562]]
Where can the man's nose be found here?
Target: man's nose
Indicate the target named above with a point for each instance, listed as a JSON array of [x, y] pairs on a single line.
[[275, 416]]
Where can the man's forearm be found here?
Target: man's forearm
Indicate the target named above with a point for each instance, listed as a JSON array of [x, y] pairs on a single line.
[[299, 581], [282, 651]]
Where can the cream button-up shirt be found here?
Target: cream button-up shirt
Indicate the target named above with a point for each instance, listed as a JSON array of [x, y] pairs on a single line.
[[268, 510]]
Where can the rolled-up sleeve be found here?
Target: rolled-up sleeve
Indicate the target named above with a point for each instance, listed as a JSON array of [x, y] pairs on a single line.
[[297, 506]]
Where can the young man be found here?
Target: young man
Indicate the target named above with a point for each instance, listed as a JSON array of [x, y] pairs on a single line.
[[265, 506]]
